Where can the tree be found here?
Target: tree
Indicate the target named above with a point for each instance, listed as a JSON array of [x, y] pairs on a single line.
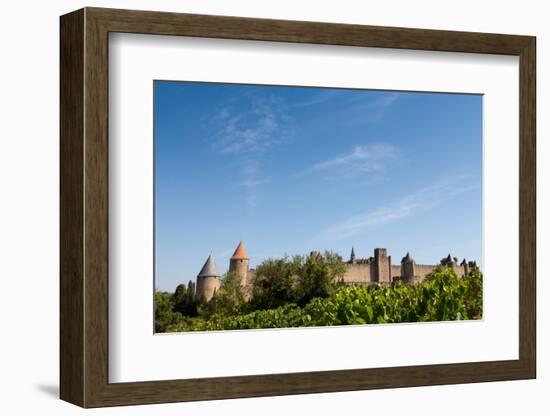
[[164, 312], [296, 280], [275, 283], [474, 294], [179, 298], [192, 301], [318, 276], [184, 299], [227, 300]]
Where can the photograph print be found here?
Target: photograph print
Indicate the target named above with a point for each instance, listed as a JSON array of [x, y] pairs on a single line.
[[289, 206]]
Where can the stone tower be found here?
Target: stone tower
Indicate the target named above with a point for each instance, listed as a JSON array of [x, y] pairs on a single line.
[[382, 264], [449, 261], [408, 268], [465, 266], [352, 257], [208, 280], [238, 263]]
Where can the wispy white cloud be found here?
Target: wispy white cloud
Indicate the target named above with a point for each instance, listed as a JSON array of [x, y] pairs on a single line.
[[407, 206], [361, 108], [251, 173], [385, 101], [376, 109], [251, 179], [371, 110], [251, 201], [258, 126], [403, 208], [366, 100], [319, 97], [250, 183], [244, 130], [372, 157], [223, 114], [226, 252]]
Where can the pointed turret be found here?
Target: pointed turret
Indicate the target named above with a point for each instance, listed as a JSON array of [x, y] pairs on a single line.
[[465, 267], [240, 253], [449, 261], [408, 268], [238, 263], [208, 280], [352, 256], [209, 269]]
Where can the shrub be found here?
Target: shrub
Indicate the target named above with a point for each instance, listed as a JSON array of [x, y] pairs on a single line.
[[441, 297], [165, 317], [317, 276], [228, 300], [184, 299], [274, 284]]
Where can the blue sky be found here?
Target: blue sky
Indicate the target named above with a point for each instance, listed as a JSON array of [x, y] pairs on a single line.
[[288, 170]]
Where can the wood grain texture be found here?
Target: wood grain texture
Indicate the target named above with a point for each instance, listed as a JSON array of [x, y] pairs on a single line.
[[84, 207], [527, 208], [96, 208], [71, 185]]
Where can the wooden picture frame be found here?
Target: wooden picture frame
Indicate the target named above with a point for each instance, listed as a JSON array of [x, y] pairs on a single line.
[[84, 207]]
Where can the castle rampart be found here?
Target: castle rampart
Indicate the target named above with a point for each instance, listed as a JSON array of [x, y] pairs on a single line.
[[379, 269], [359, 271]]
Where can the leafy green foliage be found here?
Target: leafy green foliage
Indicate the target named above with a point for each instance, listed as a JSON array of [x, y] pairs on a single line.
[[228, 300], [473, 294], [317, 276], [274, 284], [441, 297], [184, 299], [164, 312], [295, 280]]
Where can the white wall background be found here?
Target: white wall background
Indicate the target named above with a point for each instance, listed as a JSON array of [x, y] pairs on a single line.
[[29, 206]]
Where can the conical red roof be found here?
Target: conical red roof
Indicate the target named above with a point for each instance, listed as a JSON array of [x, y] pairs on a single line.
[[240, 253]]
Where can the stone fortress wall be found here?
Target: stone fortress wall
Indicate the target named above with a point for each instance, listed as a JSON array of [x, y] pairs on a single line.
[[377, 269]]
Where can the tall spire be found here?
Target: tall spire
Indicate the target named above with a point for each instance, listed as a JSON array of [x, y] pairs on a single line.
[[240, 253], [352, 257], [209, 269]]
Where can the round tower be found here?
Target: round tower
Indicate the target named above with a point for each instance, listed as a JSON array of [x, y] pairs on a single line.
[[408, 269], [208, 280], [465, 267], [449, 261], [238, 263]]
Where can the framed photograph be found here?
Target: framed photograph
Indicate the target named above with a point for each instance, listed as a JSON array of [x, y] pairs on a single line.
[[254, 207]]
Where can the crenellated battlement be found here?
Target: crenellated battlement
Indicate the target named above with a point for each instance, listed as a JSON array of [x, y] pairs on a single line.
[[377, 269]]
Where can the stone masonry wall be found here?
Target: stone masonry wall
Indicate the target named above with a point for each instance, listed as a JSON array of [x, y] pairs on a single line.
[[377, 269], [359, 273], [395, 271], [206, 286], [423, 269], [240, 268]]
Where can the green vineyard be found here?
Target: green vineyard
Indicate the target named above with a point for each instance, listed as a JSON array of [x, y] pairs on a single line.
[[441, 297]]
